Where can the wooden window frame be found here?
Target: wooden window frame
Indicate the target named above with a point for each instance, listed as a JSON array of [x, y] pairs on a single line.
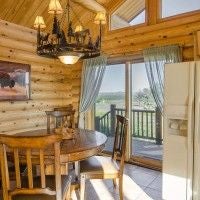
[[177, 16], [111, 11], [156, 18], [144, 162]]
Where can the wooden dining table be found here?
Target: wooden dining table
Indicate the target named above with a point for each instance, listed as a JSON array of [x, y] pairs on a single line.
[[84, 144]]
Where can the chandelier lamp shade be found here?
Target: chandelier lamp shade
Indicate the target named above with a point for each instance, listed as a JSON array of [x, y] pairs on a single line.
[[55, 7], [65, 42]]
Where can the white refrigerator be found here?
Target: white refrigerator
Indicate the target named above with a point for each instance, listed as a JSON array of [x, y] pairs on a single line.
[[181, 143]]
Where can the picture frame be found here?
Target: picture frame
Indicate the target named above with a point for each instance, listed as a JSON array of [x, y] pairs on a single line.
[[14, 81]]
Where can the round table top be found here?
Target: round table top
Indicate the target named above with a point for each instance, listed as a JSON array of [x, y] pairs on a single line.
[[86, 143]]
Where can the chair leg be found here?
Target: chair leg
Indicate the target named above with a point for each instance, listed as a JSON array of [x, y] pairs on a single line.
[[82, 187], [114, 182], [68, 196], [77, 170], [121, 187]]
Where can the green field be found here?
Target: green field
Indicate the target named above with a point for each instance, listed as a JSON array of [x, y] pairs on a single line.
[[141, 100]]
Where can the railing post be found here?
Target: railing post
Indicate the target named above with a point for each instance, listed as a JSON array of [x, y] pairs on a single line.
[[158, 123], [97, 123], [112, 118]]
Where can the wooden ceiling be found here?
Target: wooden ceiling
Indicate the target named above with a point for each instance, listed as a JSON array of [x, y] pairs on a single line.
[[24, 12], [130, 9]]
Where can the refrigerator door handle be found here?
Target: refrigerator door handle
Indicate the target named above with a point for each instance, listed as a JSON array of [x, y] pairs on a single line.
[[190, 131]]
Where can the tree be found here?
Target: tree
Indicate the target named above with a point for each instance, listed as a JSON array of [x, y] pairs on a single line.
[[144, 99]]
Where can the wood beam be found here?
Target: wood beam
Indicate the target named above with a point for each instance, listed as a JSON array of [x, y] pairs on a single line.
[[197, 45], [91, 5], [113, 5], [152, 11]]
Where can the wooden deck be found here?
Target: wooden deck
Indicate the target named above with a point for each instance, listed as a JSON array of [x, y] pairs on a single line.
[[141, 147]]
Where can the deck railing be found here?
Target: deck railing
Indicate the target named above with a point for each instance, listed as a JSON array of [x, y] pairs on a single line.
[[146, 124]]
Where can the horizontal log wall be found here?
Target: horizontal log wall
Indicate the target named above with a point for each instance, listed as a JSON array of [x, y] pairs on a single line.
[[52, 83], [132, 40]]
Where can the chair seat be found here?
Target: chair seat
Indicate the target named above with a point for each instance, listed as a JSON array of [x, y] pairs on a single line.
[[99, 165], [50, 183]]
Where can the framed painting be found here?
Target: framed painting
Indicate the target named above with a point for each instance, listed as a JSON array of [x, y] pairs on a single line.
[[14, 81]]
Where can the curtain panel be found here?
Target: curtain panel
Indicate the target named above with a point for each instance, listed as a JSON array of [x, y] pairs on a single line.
[[92, 76], [155, 58]]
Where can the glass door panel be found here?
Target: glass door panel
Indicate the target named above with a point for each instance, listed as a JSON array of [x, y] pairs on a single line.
[[146, 119], [110, 101]]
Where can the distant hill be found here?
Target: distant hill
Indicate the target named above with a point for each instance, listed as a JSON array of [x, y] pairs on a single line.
[[110, 96]]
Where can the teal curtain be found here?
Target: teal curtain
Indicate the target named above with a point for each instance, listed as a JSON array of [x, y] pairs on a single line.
[[92, 76], [155, 58]]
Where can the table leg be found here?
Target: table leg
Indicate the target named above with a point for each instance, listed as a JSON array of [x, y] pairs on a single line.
[[48, 123], [76, 184], [77, 170], [67, 168]]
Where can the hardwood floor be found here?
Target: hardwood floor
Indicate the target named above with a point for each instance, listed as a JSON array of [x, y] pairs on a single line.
[[139, 184]]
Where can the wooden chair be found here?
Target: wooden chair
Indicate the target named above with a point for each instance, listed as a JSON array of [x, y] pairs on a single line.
[[32, 150], [69, 108], [59, 117], [100, 167], [64, 108]]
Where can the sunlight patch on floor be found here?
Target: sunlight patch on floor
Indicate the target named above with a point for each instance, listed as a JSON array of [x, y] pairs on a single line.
[[103, 189]]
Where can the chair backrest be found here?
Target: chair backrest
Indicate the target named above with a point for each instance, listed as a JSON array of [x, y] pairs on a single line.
[[64, 108], [119, 147], [59, 117], [69, 109], [26, 150]]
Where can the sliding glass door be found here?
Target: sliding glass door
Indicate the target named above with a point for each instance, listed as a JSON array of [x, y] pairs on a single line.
[[146, 134], [125, 90], [111, 101]]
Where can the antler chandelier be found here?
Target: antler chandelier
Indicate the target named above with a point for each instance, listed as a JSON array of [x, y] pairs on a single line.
[[72, 45]]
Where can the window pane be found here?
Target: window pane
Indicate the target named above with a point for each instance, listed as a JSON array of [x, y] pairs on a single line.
[[131, 12], [175, 7], [110, 101], [138, 19]]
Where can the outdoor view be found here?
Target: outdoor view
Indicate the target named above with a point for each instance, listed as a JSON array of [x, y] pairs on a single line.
[[111, 101], [146, 120]]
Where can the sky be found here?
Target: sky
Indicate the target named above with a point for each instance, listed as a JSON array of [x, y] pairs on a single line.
[[114, 79], [173, 7]]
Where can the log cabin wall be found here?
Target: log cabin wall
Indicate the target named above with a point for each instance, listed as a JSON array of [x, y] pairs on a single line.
[[197, 46], [180, 30], [52, 83]]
